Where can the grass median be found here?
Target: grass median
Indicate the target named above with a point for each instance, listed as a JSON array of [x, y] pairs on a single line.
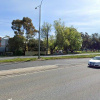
[[71, 57], [18, 60], [47, 58]]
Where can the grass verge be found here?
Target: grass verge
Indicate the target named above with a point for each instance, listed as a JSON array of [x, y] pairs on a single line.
[[18, 60], [48, 58], [71, 57]]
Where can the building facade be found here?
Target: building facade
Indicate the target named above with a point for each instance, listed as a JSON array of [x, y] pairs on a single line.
[[3, 45]]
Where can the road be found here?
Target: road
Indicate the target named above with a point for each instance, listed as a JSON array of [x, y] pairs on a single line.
[[72, 80], [9, 66]]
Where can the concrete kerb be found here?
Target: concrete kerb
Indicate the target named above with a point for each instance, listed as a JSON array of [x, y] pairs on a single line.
[[26, 70]]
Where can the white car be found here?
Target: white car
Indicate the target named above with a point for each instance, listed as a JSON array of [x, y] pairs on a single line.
[[94, 61]]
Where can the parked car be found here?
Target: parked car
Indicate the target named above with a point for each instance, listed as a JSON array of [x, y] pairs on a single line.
[[95, 62]]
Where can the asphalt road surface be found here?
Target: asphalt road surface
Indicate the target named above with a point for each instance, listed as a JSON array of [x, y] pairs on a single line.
[[69, 62], [72, 80]]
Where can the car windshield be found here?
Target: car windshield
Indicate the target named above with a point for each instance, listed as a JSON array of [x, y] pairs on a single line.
[[96, 58]]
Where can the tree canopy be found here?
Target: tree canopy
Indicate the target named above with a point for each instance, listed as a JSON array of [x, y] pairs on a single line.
[[91, 42], [67, 38], [24, 26], [64, 38], [17, 44]]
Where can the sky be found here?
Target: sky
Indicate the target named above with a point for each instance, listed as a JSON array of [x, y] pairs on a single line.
[[84, 15]]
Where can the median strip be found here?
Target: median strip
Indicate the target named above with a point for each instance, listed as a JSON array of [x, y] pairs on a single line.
[[24, 70], [48, 58]]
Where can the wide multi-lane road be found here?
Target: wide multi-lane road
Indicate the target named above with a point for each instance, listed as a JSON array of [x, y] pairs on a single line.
[[71, 80]]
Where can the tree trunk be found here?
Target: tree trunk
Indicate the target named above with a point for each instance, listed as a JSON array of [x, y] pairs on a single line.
[[47, 45]]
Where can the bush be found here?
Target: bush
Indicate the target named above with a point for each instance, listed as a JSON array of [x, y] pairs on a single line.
[[19, 53]]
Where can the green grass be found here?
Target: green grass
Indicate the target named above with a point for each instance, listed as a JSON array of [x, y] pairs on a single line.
[[48, 58], [71, 57], [82, 52], [18, 60]]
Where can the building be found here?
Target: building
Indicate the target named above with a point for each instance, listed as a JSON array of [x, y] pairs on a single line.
[[3, 45]]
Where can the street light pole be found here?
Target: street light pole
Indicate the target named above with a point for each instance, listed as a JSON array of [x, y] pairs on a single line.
[[39, 27]]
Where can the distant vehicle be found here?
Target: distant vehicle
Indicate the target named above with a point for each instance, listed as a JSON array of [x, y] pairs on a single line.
[[95, 62]]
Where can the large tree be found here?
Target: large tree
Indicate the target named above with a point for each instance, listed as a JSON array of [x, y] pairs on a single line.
[[67, 38], [45, 29], [74, 38], [24, 27], [91, 42], [60, 34]]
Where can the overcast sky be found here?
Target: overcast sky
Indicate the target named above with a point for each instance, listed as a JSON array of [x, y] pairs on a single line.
[[82, 14]]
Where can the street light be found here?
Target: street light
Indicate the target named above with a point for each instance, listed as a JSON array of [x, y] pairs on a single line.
[[39, 26]]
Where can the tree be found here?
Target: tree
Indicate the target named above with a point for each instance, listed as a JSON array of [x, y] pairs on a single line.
[[52, 43], [24, 25], [33, 45], [29, 28], [46, 28], [74, 38], [60, 33], [86, 44], [17, 26], [95, 41], [67, 38], [17, 44]]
